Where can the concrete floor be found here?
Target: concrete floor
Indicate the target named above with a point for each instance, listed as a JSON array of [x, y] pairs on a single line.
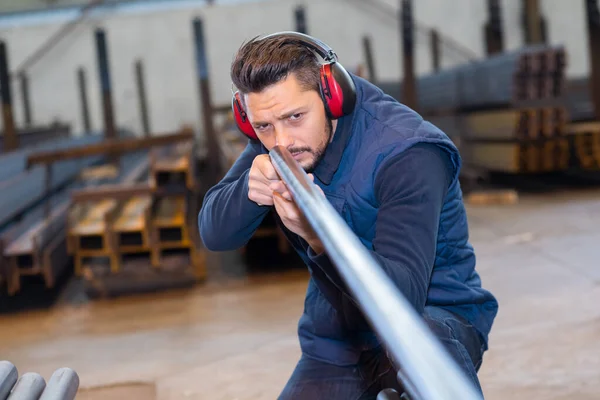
[[236, 338]]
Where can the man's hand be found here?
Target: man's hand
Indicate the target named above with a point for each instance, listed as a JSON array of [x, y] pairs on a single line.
[[293, 218], [262, 175]]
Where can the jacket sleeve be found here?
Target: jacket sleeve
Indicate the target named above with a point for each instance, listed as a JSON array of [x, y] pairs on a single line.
[[228, 218], [410, 189]]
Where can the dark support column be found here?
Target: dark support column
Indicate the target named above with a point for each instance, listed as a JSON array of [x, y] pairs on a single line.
[[85, 111], [494, 34], [533, 23], [593, 28], [368, 50], [300, 17], [409, 92], [11, 140], [139, 75], [435, 49], [24, 80], [205, 99], [110, 132], [105, 84]]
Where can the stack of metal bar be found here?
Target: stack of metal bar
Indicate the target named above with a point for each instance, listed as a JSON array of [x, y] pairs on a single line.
[[506, 113], [144, 226], [33, 207]]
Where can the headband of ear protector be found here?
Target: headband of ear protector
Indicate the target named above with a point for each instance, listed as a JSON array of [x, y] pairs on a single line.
[[336, 87]]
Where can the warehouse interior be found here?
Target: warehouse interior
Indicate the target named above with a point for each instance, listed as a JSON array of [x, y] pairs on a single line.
[[117, 119]]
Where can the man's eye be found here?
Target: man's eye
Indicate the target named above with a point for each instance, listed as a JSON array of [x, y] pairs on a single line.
[[260, 127], [296, 117]]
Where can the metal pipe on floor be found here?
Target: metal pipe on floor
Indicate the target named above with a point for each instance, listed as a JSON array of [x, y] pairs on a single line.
[[29, 387], [428, 371], [11, 140], [63, 385], [8, 378]]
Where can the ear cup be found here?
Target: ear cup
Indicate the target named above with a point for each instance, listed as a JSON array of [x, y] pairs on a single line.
[[241, 118], [337, 89]]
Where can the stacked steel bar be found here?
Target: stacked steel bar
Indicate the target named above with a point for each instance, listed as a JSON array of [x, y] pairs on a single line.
[[506, 112], [503, 80], [37, 245], [89, 224], [25, 188], [144, 225]]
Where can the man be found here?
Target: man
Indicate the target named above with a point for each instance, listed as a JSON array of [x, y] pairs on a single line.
[[391, 175]]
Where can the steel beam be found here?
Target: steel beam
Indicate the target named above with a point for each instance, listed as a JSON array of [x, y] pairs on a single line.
[[11, 140], [409, 86], [109, 147], [593, 29]]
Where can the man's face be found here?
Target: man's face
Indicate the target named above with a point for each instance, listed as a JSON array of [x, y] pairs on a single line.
[[287, 115]]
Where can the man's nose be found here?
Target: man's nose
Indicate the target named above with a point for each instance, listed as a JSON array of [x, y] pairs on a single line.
[[283, 139]]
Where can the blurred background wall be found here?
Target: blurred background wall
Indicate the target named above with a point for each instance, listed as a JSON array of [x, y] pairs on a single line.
[[160, 34]]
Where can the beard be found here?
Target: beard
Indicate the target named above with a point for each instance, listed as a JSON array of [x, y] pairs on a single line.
[[319, 152]]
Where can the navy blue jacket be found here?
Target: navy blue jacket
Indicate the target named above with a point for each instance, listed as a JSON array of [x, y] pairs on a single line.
[[393, 177]]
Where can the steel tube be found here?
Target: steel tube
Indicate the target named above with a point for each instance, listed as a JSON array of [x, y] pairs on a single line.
[[29, 387], [63, 385], [8, 378], [10, 139], [426, 365]]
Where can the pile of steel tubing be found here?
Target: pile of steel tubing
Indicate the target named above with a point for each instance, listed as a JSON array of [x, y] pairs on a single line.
[[508, 79], [36, 244], [63, 384]]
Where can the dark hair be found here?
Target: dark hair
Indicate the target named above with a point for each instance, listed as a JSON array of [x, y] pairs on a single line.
[[261, 63]]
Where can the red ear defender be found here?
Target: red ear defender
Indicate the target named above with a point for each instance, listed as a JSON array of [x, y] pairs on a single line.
[[337, 89], [241, 118]]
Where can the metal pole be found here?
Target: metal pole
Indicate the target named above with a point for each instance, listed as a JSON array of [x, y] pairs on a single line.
[[494, 34], [105, 84], [368, 50], [435, 49], [110, 133], [85, 111], [409, 86], [11, 140], [63, 385], [8, 378], [532, 22], [205, 98], [593, 28], [25, 98], [29, 387], [139, 74], [300, 17], [427, 369]]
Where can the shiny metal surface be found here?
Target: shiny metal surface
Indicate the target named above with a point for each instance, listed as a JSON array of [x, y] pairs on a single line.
[[427, 367]]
